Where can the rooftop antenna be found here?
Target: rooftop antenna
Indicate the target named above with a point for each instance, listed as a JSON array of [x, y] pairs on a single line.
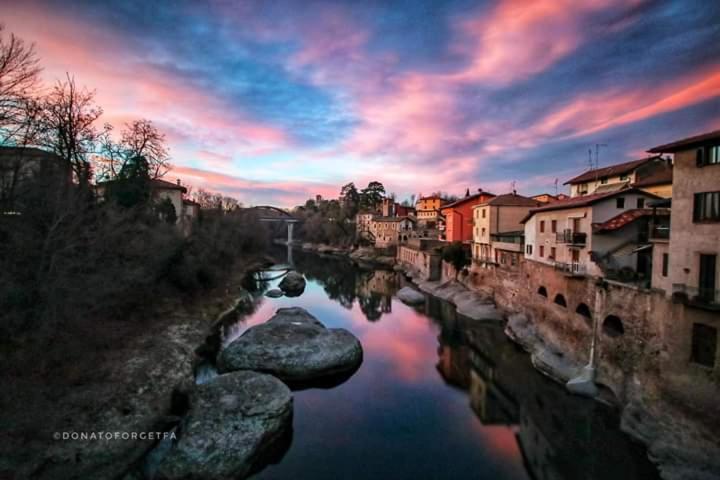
[[597, 153], [556, 187], [512, 186], [590, 159]]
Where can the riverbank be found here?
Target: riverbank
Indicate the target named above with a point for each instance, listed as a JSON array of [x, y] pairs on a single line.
[[368, 256], [675, 425], [126, 380]]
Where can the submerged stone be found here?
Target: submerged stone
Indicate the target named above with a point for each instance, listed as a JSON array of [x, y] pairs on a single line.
[[232, 421], [274, 293], [410, 296], [293, 284], [295, 347]]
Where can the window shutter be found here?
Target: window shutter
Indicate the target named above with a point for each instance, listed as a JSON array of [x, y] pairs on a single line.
[[697, 205], [699, 157]]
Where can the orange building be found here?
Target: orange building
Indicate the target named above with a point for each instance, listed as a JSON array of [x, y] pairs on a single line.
[[428, 210], [459, 217]]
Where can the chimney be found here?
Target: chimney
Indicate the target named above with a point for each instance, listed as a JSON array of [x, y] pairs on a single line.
[[178, 181], [514, 192], [480, 190], [467, 192]]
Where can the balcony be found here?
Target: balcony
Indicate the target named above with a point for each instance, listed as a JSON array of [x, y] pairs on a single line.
[[571, 238], [705, 298], [659, 232], [571, 269]]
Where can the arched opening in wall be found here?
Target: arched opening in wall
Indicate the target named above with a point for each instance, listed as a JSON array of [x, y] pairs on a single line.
[[584, 311], [613, 326], [542, 291], [560, 300]]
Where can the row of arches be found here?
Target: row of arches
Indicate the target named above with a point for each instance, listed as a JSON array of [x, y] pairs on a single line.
[[612, 325]]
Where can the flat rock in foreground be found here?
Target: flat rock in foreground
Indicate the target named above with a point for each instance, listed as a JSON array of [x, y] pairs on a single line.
[[295, 347], [233, 419]]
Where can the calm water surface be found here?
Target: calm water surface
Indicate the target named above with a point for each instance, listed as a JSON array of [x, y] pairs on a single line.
[[438, 396]]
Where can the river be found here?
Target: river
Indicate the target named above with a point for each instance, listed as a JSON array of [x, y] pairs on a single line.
[[438, 396]]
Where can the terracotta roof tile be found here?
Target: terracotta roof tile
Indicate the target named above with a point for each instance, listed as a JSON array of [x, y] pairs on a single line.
[[687, 143], [612, 170]]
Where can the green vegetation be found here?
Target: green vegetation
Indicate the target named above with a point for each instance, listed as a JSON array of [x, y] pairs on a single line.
[[332, 222], [457, 255], [69, 257]]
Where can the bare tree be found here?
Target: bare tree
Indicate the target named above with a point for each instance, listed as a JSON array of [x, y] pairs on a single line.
[[139, 138], [67, 126], [19, 80]]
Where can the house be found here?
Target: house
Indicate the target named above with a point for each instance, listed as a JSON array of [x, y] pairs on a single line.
[[602, 234], [458, 217], [498, 231], [390, 208], [428, 210], [362, 222], [544, 198], [692, 268], [159, 191], [26, 171], [391, 231], [616, 177]]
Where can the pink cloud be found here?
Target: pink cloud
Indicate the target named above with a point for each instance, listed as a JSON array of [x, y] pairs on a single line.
[[252, 192], [517, 38]]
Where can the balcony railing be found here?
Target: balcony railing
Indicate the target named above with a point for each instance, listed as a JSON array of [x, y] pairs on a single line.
[[660, 232], [571, 268], [571, 238], [697, 296]]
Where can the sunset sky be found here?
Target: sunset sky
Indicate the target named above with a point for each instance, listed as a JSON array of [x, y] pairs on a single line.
[[275, 101]]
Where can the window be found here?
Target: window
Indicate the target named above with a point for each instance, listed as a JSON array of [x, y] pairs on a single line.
[[542, 291], [704, 345], [542, 250], [640, 202], [665, 263], [708, 156], [706, 207], [483, 213], [604, 180], [623, 178], [542, 226], [528, 249], [552, 253], [553, 226], [560, 300], [583, 188], [620, 202], [483, 231]]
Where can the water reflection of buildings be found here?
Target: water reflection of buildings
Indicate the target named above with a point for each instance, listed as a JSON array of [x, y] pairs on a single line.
[[374, 291], [560, 436]]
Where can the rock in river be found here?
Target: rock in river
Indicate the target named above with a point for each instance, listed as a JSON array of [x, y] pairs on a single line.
[[233, 419], [295, 347], [274, 293], [293, 285], [410, 296]]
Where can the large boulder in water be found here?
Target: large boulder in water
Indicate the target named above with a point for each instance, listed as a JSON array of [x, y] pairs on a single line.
[[232, 421], [295, 347], [293, 284]]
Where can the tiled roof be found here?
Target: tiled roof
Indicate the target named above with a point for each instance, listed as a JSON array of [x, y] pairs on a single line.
[[656, 178], [470, 198], [156, 183], [513, 200], [626, 217], [585, 200], [392, 219], [612, 170], [686, 143]]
